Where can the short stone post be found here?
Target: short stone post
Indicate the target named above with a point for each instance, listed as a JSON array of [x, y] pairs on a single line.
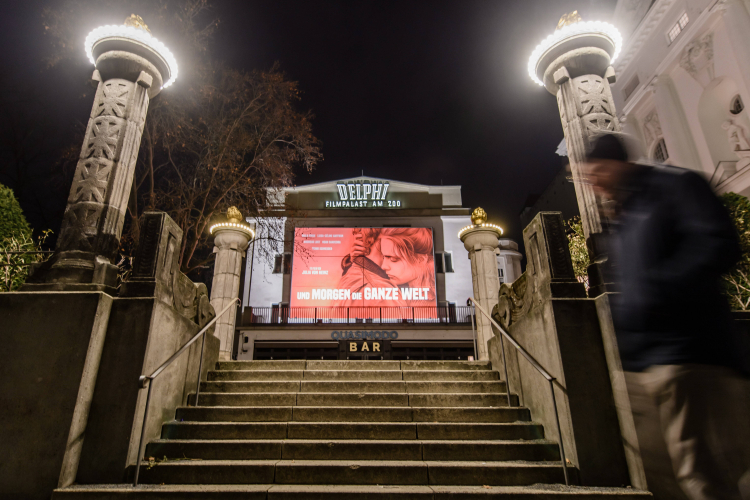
[[230, 242], [131, 68], [481, 240]]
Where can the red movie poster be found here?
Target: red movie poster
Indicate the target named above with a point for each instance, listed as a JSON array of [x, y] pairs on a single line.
[[364, 269]]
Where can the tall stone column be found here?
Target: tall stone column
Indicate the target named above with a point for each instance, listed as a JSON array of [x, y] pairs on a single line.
[[481, 240], [674, 125], [129, 73], [576, 69], [230, 242]]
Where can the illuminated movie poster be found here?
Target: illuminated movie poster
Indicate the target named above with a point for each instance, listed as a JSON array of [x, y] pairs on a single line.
[[363, 267]]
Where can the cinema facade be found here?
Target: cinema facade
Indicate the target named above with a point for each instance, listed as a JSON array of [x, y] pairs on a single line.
[[370, 269]]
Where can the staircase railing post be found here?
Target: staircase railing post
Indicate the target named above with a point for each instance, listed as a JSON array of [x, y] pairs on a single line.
[[139, 457]]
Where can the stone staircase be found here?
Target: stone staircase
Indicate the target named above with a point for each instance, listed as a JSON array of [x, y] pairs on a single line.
[[351, 429]]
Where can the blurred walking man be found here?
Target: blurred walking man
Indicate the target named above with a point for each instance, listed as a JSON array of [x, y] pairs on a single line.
[[671, 241]]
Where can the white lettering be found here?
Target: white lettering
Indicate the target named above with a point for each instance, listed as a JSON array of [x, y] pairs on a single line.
[[376, 191], [359, 194], [385, 190], [352, 194], [342, 191], [406, 293], [368, 294], [367, 188], [316, 294]]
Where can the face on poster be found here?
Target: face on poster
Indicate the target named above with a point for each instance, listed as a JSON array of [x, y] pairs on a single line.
[[373, 267]]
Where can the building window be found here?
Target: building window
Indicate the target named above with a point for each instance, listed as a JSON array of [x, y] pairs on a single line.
[[444, 262], [277, 262], [448, 256], [679, 26], [439, 268], [282, 263], [631, 86], [660, 151], [737, 105], [287, 263], [500, 275]]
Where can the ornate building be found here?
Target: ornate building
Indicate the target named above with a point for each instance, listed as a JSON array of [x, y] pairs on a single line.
[[683, 81]]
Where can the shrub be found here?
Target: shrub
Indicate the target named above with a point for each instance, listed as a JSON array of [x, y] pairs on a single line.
[[737, 281]]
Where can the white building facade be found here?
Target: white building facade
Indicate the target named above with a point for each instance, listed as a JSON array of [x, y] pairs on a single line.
[[272, 325], [683, 79]]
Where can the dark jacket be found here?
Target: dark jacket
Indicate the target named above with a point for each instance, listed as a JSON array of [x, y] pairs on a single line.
[[669, 247]]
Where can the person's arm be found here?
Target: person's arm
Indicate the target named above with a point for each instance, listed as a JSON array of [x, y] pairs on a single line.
[[706, 240]]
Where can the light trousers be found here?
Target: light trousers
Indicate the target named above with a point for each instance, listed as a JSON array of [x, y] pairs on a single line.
[[693, 427]]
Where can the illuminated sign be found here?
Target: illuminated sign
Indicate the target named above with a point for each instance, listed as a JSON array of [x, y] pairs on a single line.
[[365, 335], [373, 272], [363, 195]]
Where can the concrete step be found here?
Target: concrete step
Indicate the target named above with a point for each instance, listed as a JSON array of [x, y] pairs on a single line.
[[438, 400], [391, 386], [224, 430], [351, 430], [279, 375], [449, 375], [350, 399], [369, 375], [353, 449], [245, 399], [354, 375], [446, 365], [341, 492], [275, 364], [463, 386], [354, 365], [361, 472], [301, 399], [250, 386], [350, 414]]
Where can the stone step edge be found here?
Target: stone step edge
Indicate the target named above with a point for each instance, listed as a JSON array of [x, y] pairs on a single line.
[[223, 407], [503, 393], [507, 464], [532, 491], [384, 442]]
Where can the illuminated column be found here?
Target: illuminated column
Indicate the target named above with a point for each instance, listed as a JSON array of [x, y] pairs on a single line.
[[131, 68], [230, 242], [481, 240], [574, 64]]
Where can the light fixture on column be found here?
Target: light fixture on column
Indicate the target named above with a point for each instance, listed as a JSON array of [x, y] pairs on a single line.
[[133, 37], [573, 33]]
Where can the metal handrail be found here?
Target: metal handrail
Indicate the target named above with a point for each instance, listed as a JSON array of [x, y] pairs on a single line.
[[145, 380], [539, 368]]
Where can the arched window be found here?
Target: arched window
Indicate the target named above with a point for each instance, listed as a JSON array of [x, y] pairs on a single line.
[[660, 153], [736, 106]]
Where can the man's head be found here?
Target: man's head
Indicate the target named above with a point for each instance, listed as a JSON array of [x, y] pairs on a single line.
[[607, 166]]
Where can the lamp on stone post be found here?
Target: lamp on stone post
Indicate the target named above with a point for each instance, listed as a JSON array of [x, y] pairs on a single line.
[[481, 240], [131, 68], [231, 239], [575, 64]]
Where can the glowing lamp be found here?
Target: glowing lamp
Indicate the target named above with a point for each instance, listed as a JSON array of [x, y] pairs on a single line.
[[111, 44], [597, 42]]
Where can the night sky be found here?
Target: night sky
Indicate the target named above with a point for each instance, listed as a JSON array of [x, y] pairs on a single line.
[[428, 92]]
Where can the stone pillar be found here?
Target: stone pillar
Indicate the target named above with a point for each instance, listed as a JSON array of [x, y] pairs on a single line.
[[577, 71], [674, 125], [737, 22], [129, 74], [482, 240], [230, 243]]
